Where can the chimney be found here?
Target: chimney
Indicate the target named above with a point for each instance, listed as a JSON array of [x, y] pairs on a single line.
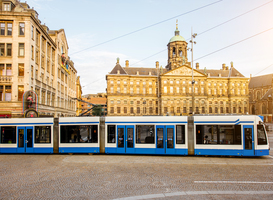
[[223, 66], [226, 68], [197, 65], [157, 64], [231, 64], [127, 63]]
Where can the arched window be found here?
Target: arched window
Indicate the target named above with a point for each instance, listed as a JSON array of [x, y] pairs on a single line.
[[258, 95], [173, 51], [250, 96], [253, 110], [263, 109], [180, 53]]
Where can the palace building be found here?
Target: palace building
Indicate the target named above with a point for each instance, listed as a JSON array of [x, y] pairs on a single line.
[[168, 91], [260, 96], [34, 59]]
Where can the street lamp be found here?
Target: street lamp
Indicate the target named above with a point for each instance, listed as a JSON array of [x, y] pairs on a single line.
[[192, 82]]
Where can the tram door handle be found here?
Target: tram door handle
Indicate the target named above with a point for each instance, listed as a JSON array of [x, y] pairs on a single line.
[[26, 141]]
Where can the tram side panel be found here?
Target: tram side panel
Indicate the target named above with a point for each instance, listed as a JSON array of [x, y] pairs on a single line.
[[146, 135], [21, 135], [79, 135], [227, 135]]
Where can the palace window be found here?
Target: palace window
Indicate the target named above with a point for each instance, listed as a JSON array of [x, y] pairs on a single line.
[[171, 90], [150, 90], [177, 90], [6, 7]]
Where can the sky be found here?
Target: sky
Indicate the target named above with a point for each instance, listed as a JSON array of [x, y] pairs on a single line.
[[100, 31]]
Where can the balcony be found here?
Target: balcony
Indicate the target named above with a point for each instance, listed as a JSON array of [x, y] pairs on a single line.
[[5, 79]]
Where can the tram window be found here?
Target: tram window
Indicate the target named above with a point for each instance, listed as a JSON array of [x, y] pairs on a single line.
[[180, 134], [261, 135], [8, 135], [42, 134], [79, 134], [145, 134], [218, 134], [111, 134]]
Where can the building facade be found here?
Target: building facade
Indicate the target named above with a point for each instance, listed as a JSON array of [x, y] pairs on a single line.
[[168, 91], [34, 58], [95, 99], [79, 97], [260, 96]]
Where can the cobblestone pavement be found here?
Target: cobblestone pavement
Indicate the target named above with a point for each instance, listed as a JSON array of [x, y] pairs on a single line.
[[134, 177]]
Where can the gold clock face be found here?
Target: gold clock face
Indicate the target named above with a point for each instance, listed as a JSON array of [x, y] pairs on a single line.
[[31, 114]]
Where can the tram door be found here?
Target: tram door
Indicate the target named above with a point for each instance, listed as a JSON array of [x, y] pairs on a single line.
[[248, 140], [125, 141], [25, 139], [165, 140]]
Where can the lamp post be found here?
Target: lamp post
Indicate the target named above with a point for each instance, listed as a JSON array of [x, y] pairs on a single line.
[[192, 82]]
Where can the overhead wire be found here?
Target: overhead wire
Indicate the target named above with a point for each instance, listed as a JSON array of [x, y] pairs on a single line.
[[209, 29], [232, 44], [146, 27], [264, 69]]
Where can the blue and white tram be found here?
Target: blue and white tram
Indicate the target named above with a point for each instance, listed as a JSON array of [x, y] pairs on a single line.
[[231, 135], [24, 135], [79, 135], [146, 135]]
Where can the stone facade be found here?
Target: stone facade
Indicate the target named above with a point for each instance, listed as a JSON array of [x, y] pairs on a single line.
[[79, 97], [260, 96], [168, 91], [31, 59]]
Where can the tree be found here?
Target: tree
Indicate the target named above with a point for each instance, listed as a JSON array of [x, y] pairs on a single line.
[[97, 110]]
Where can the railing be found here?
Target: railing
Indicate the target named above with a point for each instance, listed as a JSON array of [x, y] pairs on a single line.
[[5, 79]]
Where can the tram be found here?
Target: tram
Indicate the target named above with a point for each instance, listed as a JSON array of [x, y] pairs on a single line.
[[227, 135]]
